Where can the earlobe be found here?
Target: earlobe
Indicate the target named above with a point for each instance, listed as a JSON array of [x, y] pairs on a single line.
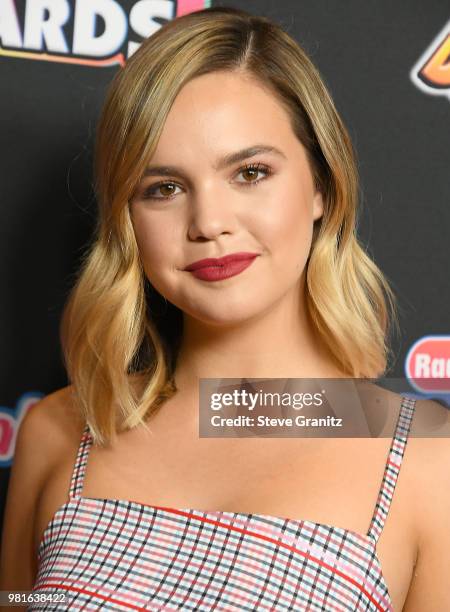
[[317, 205]]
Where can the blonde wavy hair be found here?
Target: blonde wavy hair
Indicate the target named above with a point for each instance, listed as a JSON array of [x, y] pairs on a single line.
[[111, 330]]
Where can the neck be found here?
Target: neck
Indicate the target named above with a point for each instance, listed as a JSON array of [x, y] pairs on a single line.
[[281, 343]]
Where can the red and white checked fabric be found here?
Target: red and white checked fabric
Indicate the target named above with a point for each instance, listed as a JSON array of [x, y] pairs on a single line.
[[114, 554]]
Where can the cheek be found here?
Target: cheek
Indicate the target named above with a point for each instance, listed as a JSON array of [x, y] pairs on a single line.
[[154, 238], [157, 240], [285, 223]]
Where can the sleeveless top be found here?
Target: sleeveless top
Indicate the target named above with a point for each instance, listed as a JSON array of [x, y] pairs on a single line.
[[116, 554]]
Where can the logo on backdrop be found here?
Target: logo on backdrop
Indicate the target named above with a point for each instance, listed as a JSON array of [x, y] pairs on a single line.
[[87, 32], [10, 420], [427, 364], [431, 73]]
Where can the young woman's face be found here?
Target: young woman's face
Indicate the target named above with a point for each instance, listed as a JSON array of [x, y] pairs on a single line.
[[207, 206]]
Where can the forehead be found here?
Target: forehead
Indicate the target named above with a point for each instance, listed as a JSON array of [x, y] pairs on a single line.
[[224, 110]]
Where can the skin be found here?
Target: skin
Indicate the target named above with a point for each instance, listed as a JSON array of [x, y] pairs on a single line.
[[230, 324]]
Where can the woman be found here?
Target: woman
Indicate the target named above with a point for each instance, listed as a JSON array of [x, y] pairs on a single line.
[[219, 138]]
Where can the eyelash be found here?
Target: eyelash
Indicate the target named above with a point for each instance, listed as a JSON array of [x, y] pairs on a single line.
[[260, 167]]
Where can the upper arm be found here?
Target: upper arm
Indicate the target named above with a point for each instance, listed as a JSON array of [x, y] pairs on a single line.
[[429, 589], [34, 456]]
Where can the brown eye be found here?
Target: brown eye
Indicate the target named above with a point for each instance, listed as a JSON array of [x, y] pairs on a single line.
[[167, 189], [160, 191], [250, 174]]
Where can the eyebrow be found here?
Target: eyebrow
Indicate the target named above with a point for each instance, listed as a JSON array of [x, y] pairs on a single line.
[[223, 162]]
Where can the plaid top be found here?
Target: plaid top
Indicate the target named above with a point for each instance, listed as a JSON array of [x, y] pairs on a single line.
[[116, 554]]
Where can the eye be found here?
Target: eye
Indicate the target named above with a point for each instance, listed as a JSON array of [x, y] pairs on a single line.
[[149, 194], [252, 170]]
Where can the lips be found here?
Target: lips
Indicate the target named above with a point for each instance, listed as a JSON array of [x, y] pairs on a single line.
[[220, 261]]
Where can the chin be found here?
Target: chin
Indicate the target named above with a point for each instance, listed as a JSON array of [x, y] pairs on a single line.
[[222, 316]]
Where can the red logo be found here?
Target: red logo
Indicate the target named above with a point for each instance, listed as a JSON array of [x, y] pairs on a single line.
[[427, 364]]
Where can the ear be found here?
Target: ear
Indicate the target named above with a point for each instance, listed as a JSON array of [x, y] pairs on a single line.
[[317, 205]]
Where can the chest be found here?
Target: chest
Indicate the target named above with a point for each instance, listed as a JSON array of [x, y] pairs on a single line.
[[327, 482]]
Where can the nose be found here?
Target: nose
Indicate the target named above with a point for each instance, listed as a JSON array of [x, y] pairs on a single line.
[[211, 212]]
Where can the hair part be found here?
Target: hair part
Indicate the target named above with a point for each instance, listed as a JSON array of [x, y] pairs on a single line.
[[111, 329]]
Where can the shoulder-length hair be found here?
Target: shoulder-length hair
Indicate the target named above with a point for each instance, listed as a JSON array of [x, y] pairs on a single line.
[[112, 326]]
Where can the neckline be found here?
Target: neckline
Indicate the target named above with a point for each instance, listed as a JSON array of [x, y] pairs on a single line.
[[397, 447], [215, 515]]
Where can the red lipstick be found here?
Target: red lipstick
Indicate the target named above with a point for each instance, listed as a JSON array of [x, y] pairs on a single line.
[[214, 269]]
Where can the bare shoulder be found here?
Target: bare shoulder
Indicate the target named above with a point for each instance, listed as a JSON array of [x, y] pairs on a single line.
[[430, 449], [429, 463], [49, 430], [55, 420], [46, 433], [429, 444]]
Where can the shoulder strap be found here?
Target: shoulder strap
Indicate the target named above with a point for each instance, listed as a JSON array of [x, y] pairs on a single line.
[[392, 468], [76, 484]]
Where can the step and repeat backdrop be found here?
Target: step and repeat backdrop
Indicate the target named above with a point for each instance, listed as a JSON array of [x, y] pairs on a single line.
[[388, 70]]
